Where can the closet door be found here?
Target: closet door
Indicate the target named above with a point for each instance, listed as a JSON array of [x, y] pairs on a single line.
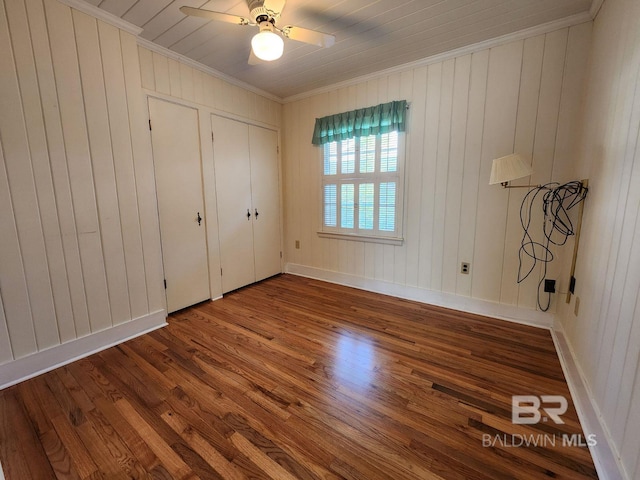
[[265, 188], [177, 160], [233, 192]]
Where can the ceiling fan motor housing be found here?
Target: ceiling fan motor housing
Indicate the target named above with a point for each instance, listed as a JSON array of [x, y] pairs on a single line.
[[260, 13]]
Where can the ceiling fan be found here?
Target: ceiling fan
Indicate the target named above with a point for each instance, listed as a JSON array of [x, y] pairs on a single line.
[[266, 45]]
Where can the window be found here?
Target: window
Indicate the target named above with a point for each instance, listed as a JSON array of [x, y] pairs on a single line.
[[362, 185]]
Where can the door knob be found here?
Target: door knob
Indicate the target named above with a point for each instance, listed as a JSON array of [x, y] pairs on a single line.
[[257, 213], [248, 214], [199, 219]]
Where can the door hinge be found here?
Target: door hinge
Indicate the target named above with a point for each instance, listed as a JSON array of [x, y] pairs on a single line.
[[212, 139], [165, 283], [149, 124], [278, 149], [280, 254], [220, 272]]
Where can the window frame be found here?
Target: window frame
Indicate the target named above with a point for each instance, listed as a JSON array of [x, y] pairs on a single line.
[[377, 177]]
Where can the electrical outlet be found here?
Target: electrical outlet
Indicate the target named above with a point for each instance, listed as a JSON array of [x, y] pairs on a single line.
[[298, 244], [549, 286], [464, 268]]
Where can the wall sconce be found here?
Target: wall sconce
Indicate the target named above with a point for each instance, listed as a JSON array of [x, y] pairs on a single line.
[[510, 167]]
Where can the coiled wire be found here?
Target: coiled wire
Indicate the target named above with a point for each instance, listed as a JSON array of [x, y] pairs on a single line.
[[557, 201]]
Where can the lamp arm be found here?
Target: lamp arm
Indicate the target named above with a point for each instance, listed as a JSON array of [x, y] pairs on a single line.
[[506, 185]]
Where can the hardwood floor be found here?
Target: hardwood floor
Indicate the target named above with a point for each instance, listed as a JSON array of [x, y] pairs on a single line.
[[298, 379]]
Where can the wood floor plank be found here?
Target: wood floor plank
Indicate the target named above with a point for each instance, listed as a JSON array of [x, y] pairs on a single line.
[[293, 378], [213, 457], [169, 458], [14, 458], [127, 433], [262, 460], [30, 444], [81, 458], [58, 457], [35, 406]]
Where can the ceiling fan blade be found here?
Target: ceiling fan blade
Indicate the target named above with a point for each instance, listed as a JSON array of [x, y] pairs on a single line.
[[275, 6], [308, 36], [221, 17]]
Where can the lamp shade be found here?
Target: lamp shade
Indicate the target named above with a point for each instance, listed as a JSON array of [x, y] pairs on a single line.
[[267, 45], [511, 167]]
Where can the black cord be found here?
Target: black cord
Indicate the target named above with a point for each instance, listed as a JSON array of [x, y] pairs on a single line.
[[557, 200]]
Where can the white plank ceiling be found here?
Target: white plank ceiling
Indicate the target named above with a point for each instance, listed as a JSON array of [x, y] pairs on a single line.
[[370, 35]]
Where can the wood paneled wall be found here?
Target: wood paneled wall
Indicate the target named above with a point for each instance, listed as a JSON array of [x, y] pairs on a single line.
[[464, 112], [79, 245], [605, 333], [170, 77]]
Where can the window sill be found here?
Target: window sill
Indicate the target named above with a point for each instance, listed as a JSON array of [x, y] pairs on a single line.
[[362, 238]]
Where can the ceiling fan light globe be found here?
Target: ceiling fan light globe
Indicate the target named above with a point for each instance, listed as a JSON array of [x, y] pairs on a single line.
[[267, 46]]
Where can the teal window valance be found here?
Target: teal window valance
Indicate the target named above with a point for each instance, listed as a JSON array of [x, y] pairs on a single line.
[[383, 118]]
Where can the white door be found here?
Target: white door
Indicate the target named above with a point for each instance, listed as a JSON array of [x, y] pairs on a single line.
[[265, 189], [176, 155], [235, 210]]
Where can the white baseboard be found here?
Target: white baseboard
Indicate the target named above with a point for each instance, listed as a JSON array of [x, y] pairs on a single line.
[[52, 358], [448, 300], [603, 453]]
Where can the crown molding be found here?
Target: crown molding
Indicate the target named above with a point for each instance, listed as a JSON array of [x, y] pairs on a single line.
[[143, 42], [577, 19], [103, 15]]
